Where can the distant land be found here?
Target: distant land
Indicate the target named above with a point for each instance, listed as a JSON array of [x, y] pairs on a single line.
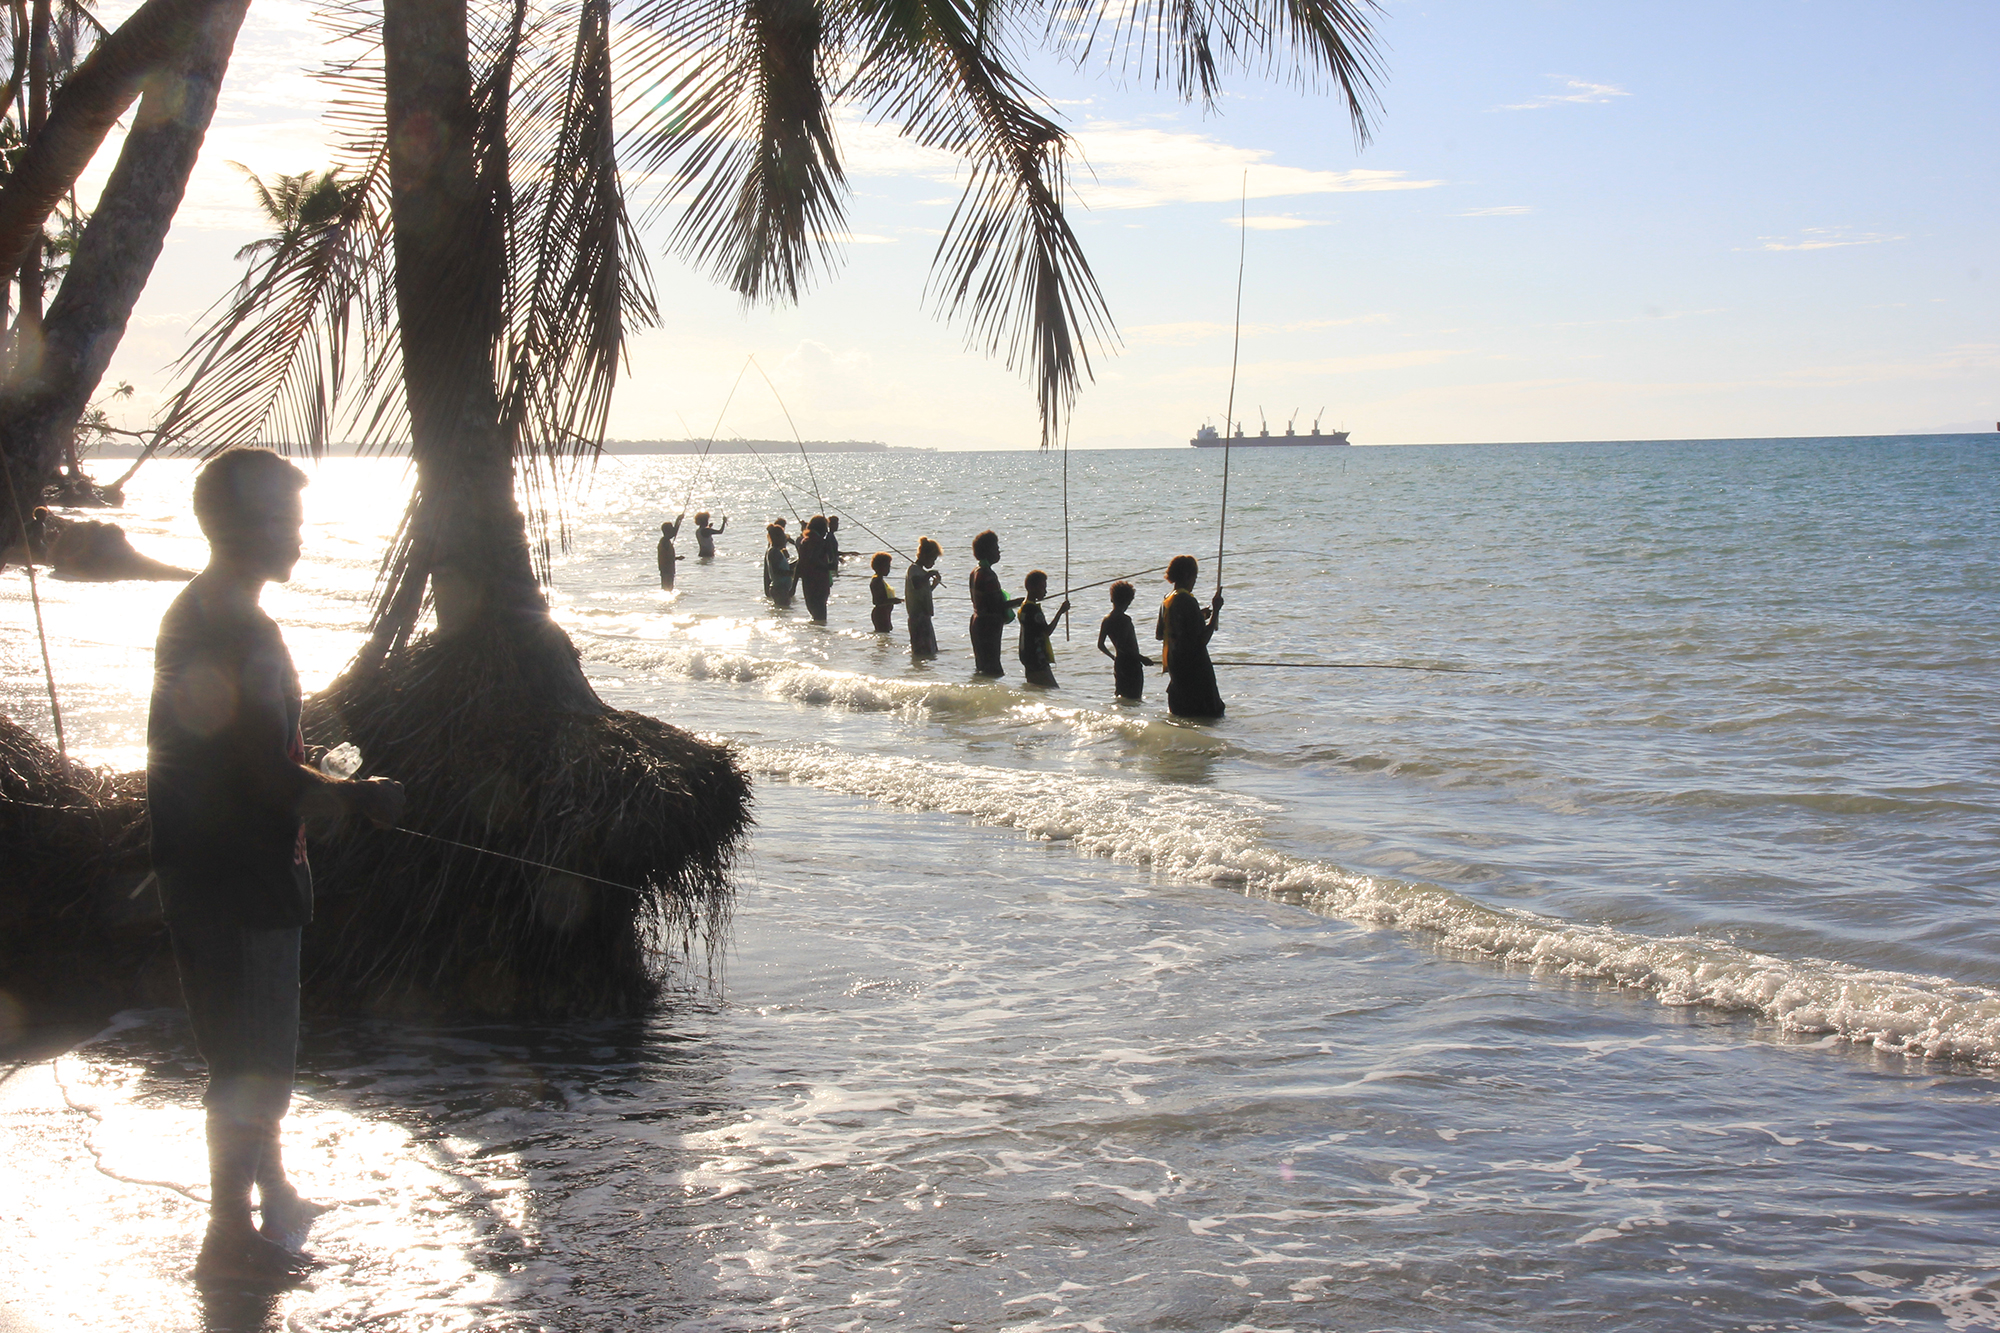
[[738, 446]]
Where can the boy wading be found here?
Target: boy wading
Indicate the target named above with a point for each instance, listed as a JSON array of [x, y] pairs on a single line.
[[226, 790]]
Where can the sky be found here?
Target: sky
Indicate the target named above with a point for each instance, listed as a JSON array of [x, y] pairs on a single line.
[[1577, 220]]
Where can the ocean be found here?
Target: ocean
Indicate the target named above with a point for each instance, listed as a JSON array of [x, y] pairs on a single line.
[[1633, 965]]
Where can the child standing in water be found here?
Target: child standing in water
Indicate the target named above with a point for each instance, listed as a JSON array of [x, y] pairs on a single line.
[[992, 608], [704, 535], [1185, 628], [668, 531], [1038, 655], [1128, 673], [918, 581], [879, 594], [778, 576]]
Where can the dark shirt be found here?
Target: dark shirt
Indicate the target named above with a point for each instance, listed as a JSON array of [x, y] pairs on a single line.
[[812, 567], [989, 599], [1034, 647], [228, 846]]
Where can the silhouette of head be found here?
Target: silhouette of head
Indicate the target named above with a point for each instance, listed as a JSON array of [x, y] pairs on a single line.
[[247, 503], [833, 523], [667, 529], [701, 518], [879, 562], [1182, 571], [1122, 594], [816, 525], [1037, 584], [986, 546], [774, 533], [927, 550]]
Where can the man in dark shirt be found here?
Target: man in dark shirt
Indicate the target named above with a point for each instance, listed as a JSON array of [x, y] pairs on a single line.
[[227, 788]]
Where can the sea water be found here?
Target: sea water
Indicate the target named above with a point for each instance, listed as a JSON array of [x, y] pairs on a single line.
[[1636, 967]]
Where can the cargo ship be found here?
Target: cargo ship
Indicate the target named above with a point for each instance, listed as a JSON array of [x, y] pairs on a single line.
[[1208, 437]]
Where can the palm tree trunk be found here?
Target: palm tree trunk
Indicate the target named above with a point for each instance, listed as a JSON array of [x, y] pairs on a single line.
[[82, 113], [467, 535], [40, 403]]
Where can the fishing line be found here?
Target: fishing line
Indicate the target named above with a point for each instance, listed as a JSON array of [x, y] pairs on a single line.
[[1140, 573], [35, 596], [702, 461], [505, 856], [1359, 666], [823, 505], [784, 493], [1235, 346], [796, 436]]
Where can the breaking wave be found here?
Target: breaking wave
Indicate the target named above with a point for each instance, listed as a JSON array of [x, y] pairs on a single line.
[[1213, 837]]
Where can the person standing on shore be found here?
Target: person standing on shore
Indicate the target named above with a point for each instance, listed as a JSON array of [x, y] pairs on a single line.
[[1184, 628], [227, 789], [1128, 666], [668, 531], [704, 535], [919, 580], [991, 607], [815, 578]]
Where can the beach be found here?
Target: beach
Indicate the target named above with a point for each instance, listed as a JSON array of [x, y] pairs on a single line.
[[1632, 964]]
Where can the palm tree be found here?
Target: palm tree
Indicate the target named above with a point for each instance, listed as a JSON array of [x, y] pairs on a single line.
[[58, 135], [484, 211], [61, 356]]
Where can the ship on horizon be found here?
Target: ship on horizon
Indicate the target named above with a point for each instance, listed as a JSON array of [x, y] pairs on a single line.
[[1208, 437]]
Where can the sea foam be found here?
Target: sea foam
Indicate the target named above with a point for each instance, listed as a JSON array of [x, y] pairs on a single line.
[[1202, 835]]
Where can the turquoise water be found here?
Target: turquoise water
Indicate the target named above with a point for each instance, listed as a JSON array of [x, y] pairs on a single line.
[[1648, 981]]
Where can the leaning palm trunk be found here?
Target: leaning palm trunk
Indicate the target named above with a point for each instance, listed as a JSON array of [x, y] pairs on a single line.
[[52, 383]]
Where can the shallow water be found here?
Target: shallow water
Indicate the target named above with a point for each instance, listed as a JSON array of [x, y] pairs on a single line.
[[1649, 982]]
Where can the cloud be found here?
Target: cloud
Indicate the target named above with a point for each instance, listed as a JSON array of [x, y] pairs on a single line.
[[1273, 223], [1823, 238], [1502, 211], [1580, 91], [856, 238], [1124, 166], [1189, 332]]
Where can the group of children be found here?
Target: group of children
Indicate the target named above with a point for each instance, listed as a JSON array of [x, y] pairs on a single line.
[[805, 566]]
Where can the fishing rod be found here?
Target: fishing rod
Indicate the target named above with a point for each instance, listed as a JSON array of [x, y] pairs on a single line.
[[795, 434], [823, 505], [688, 499], [1357, 666], [784, 493], [1235, 346]]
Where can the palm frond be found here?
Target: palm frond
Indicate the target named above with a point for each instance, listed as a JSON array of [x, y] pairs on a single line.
[[743, 133], [1009, 263], [1193, 43]]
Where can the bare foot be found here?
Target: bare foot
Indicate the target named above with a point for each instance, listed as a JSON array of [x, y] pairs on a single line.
[[288, 1220], [230, 1257]]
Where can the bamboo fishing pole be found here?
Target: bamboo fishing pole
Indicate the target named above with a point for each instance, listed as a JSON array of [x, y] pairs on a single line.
[[1235, 346], [1356, 666], [688, 499], [800, 439]]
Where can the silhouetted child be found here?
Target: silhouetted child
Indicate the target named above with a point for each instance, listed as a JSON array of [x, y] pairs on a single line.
[[992, 608], [1128, 674], [778, 574], [878, 592], [704, 535], [1184, 628], [918, 581], [832, 545], [668, 531], [1038, 655]]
